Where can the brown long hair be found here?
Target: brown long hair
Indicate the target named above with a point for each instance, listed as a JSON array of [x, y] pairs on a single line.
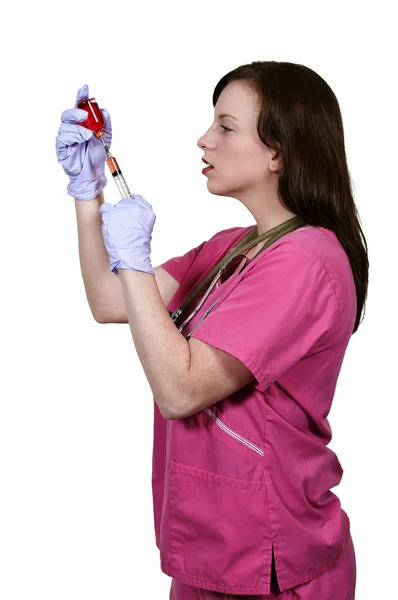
[[300, 116]]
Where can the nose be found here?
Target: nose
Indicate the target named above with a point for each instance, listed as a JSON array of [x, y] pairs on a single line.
[[200, 142], [203, 142]]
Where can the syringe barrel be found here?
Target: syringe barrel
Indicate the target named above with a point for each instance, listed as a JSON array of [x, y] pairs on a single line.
[[118, 177], [122, 186], [113, 165]]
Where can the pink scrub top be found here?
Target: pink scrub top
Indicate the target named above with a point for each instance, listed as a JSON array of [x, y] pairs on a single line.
[[247, 480]]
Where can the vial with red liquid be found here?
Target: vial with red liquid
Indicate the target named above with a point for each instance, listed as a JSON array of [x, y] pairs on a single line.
[[95, 122], [95, 119]]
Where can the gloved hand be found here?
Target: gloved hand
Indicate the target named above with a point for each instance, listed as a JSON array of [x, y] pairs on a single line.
[[80, 153], [127, 231]]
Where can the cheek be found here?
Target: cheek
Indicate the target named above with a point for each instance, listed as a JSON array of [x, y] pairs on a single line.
[[247, 169], [248, 159], [235, 175], [256, 167]]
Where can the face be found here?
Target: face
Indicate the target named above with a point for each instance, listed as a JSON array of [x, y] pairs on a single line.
[[243, 165]]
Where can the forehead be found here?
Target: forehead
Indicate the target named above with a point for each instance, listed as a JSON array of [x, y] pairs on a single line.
[[239, 100]]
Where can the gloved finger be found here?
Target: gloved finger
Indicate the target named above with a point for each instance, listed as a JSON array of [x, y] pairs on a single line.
[[74, 115], [105, 209], [69, 134], [107, 120], [132, 201], [107, 128], [82, 94]]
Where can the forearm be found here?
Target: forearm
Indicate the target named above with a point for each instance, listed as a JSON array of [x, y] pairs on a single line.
[[94, 259], [163, 351]]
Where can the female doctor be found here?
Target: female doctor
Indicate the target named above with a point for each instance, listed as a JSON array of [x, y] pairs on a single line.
[[241, 339]]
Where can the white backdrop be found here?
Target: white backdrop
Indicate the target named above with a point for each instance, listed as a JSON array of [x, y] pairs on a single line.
[[76, 409]]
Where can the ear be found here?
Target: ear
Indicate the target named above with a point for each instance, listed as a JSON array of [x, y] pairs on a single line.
[[275, 160]]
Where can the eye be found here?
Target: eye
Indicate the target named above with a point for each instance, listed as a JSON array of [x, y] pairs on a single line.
[[225, 128]]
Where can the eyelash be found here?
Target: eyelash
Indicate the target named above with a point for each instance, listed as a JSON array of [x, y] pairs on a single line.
[[226, 128]]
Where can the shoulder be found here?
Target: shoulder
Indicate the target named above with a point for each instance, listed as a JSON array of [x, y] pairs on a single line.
[[320, 249], [309, 238], [323, 245]]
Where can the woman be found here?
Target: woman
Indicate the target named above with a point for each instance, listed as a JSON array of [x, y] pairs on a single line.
[[244, 372]]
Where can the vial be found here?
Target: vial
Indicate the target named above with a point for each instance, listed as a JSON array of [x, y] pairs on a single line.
[[95, 119]]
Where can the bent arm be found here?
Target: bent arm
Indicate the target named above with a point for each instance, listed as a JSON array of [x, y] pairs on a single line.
[[94, 259], [162, 349], [103, 289], [184, 376]]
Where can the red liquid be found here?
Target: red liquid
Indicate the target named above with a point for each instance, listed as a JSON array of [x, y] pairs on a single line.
[[113, 165], [95, 120]]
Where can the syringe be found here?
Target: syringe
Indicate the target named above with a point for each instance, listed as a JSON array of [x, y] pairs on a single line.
[[116, 172], [95, 122]]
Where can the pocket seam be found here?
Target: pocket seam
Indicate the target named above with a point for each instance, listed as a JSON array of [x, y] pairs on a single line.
[[213, 478]]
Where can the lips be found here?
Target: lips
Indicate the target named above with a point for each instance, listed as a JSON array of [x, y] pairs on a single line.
[[207, 163]]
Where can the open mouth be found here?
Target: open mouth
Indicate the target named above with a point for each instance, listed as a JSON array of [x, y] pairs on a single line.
[[208, 167]]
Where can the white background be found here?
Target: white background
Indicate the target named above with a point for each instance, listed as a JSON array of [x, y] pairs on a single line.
[[76, 410]]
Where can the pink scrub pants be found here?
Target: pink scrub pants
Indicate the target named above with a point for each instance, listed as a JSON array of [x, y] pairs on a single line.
[[337, 583]]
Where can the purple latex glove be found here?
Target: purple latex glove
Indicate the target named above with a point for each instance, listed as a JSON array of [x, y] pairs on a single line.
[[127, 231], [80, 153]]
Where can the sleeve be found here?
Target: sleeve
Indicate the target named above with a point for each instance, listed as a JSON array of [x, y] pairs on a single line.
[[275, 315], [179, 265]]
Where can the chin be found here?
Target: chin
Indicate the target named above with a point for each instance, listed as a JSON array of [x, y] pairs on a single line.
[[216, 192], [215, 186]]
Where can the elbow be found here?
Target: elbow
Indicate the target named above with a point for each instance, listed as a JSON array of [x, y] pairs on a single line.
[[168, 410], [100, 318], [168, 414], [179, 404], [180, 410]]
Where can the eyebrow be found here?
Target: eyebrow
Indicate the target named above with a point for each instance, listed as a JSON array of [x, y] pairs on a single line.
[[225, 115]]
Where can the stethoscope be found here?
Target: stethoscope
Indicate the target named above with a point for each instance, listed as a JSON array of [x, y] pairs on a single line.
[[249, 241], [230, 264]]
